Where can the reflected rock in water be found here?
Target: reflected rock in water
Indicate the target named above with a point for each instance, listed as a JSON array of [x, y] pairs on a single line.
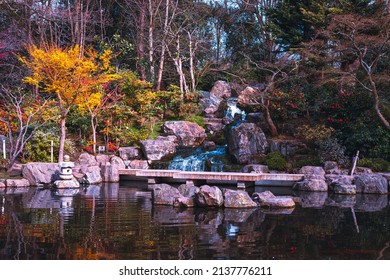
[[277, 211], [341, 201], [67, 192], [238, 215], [111, 191], [91, 191], [212, 217], [41, 198], [371, 202], [20, 190], [313, 199], [168, 216]]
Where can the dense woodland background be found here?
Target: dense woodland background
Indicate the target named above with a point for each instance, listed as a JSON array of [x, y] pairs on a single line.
[[115, 69]]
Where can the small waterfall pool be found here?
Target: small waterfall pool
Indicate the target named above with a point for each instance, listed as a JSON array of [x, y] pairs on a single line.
[[199, 160]]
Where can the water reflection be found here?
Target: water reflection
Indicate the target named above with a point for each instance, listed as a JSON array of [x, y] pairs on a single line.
[[119, 222]]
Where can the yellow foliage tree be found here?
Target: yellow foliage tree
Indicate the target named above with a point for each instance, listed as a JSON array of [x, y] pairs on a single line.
[[73, 76]]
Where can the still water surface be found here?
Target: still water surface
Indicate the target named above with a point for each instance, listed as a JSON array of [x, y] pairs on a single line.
[[119, 222]]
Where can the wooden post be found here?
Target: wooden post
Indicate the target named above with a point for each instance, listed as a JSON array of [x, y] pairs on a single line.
[[51, 151], [354, 162], [4, 152]]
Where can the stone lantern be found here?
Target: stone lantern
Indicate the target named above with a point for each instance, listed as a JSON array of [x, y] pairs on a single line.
[[67, 180], [66, 166]]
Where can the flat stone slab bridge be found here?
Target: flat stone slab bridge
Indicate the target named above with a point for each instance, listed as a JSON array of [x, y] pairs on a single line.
[[242, 180]]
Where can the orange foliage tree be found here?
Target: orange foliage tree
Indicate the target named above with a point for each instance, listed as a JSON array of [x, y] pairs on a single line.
[[70, 74]]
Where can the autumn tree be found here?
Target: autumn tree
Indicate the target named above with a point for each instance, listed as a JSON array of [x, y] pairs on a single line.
[[101, 99], [69, 75], [21, 114]]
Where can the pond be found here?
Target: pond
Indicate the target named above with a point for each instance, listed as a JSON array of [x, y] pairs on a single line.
[[119, 222]]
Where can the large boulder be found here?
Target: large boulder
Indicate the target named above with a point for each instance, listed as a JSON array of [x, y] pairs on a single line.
[[285, 147], [40, 173], [371, 183], [164, 194], [188, 134], [248, 95], [313, 172], [246, 143], [85, 160], [17, 183], [268, 199], [209, 196], [159, 148], [210, 104], [255, 168], [129, 153], [102, 159], [222, 89], [314, 179], [313, 185], [237, 199], [92, 175], [188, 190], [138, 164]]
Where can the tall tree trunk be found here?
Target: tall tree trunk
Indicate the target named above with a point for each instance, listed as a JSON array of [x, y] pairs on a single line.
[[94, 126], [151, 42], [163, 47], [62, 138], [192, 58], [141, 41]]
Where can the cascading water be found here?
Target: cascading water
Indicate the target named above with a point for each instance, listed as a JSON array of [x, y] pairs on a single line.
[[232, 109], [198, 160]]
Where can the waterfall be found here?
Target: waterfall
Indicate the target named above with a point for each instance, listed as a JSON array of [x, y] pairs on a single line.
[[198, 160], [232, 109]]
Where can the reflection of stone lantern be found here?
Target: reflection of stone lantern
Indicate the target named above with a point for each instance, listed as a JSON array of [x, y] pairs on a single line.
[[66, 175], [66, 166]]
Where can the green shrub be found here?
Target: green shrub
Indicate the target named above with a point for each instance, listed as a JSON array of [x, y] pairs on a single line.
[[315, 134], [331, 150], [311, 161], [38, 148], [376, 164], [196, 119], [275, 161]]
